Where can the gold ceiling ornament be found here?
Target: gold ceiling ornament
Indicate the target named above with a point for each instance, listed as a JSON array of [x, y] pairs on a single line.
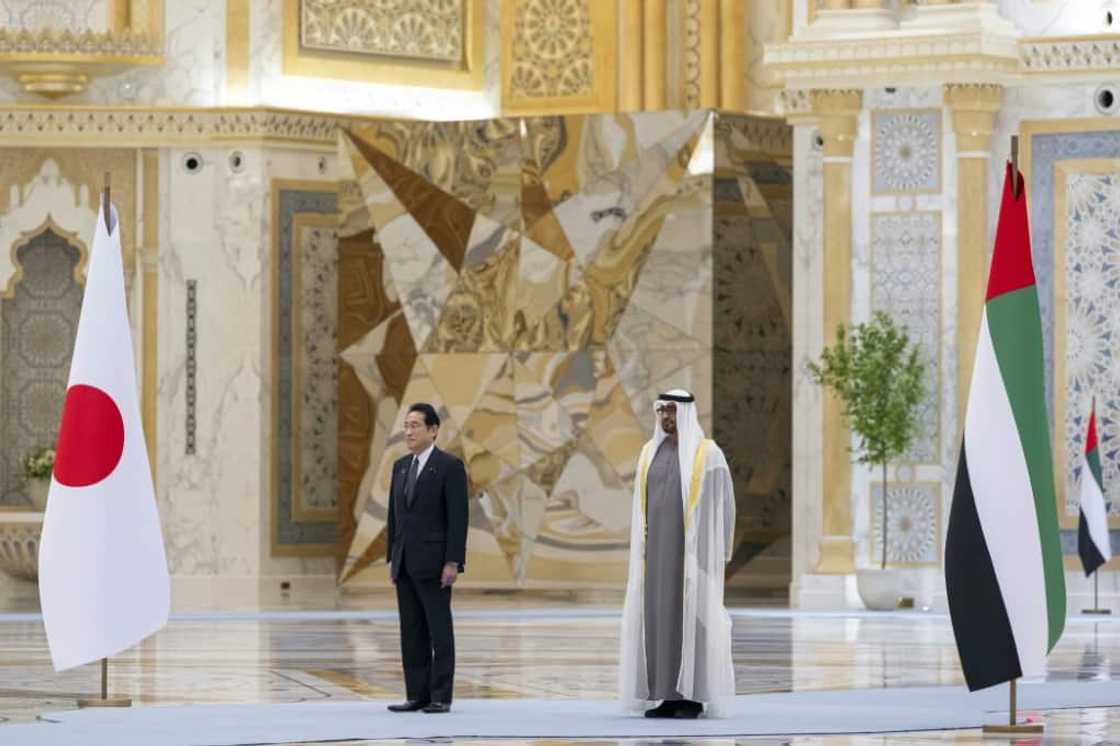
[[55, 63]]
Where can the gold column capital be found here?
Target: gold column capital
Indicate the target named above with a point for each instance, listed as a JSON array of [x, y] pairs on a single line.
[[974, 107], [838, 113], [973, 96]]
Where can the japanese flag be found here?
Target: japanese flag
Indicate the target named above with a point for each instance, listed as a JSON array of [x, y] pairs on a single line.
[[103, 582]]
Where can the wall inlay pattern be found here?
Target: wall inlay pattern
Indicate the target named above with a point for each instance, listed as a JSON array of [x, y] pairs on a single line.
[[905, 151], [1092, 328], [293, 532], [409, 29], [552, 49], [37, 331], [906, 284], [542, 335], [913, 530]]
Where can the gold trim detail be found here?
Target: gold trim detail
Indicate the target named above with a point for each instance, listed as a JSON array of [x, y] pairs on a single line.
[[149, 324], [316, 63], [237, 49], [56, 63]]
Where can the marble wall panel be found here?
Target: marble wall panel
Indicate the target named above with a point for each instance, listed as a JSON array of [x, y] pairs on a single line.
[[752, 339], [557, 330], [211, 230]]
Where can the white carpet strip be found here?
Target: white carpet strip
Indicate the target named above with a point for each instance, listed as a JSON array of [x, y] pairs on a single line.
[[799, 713]]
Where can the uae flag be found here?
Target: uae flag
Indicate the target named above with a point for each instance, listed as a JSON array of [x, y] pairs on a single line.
[[103, 583], [1003, 562], [1092, 527]]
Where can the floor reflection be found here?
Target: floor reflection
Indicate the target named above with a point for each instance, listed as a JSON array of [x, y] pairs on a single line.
[[544, 648]]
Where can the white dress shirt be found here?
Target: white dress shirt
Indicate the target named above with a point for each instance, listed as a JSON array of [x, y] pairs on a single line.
[[422, 459]]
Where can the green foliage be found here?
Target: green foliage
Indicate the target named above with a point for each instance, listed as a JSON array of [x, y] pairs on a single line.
[[877, 374], [39, 463]]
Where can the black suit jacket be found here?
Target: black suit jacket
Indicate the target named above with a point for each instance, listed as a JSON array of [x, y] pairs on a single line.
[[433, 531]]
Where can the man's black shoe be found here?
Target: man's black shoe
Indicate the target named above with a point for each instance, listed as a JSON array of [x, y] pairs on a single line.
[[663, 710], [408, 706], [437, 707], [687, 709]]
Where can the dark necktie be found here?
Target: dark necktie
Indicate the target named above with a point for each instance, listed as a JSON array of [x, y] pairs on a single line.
[[410, 482]]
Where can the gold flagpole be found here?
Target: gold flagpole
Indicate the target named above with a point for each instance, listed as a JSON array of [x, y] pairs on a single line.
[[105, 700]]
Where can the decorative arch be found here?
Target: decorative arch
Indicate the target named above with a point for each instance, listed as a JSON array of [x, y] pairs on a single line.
[[27, 238]]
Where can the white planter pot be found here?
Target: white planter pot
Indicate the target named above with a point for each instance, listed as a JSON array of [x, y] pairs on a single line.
[[881, 589], [37, 490]]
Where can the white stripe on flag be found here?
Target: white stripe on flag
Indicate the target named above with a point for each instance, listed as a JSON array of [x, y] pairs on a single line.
[[1092, 505], [1001, 487]]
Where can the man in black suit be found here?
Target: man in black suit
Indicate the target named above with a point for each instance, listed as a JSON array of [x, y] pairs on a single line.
[[427, 548]]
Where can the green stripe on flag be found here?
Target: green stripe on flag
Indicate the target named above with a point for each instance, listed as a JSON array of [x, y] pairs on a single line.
[[1093, 458], [1016, 331]]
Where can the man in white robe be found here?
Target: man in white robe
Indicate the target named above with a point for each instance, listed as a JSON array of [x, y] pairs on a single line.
[[676, 634]]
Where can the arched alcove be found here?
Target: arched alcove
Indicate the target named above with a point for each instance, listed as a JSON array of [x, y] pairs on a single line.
[[38, 322]]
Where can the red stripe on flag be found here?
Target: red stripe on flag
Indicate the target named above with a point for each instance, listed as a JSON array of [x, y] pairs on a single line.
[[1091, 437], [1012, 268]]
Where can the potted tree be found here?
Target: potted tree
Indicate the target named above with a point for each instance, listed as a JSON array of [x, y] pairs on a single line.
[[876, 373], [37, 467]]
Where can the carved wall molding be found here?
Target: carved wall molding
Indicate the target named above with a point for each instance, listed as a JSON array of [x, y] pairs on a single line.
[[54, 61], [430, 30], [941, 57], [104, 126]]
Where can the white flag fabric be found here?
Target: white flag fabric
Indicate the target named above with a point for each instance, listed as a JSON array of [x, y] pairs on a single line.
[[103, 582]]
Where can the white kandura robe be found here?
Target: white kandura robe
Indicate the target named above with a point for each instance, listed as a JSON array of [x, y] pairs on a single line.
[[706, 675]]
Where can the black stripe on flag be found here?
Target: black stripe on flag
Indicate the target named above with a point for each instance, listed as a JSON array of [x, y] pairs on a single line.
[[980, 623], [1091, 557]]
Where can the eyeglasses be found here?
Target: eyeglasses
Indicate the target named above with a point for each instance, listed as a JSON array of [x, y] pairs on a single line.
[[666, 408], [415, 426]]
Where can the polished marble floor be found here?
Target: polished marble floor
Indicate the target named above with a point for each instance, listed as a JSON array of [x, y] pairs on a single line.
[[528, 646]]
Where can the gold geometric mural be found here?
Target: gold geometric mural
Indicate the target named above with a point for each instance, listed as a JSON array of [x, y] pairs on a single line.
[[538, 281]]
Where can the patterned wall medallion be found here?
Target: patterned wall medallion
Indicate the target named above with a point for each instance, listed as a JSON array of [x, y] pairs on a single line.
[[905, 151], [557, 55], [542, 339], [37, 328], [906, 284], [1092, 328], [409, 29], [913, 515]]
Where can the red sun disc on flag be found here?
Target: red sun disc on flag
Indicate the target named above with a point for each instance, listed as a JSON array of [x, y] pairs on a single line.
[[90, 439]]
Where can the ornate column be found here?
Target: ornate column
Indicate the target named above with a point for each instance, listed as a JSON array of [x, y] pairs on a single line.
[[974, 108], [654, 44], [630, 55], [732, 31], [710, 34], [838, 113]]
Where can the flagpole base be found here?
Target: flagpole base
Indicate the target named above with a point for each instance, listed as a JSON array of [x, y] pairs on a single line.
[[1096, 611], [1020, 729], [106, 702]]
